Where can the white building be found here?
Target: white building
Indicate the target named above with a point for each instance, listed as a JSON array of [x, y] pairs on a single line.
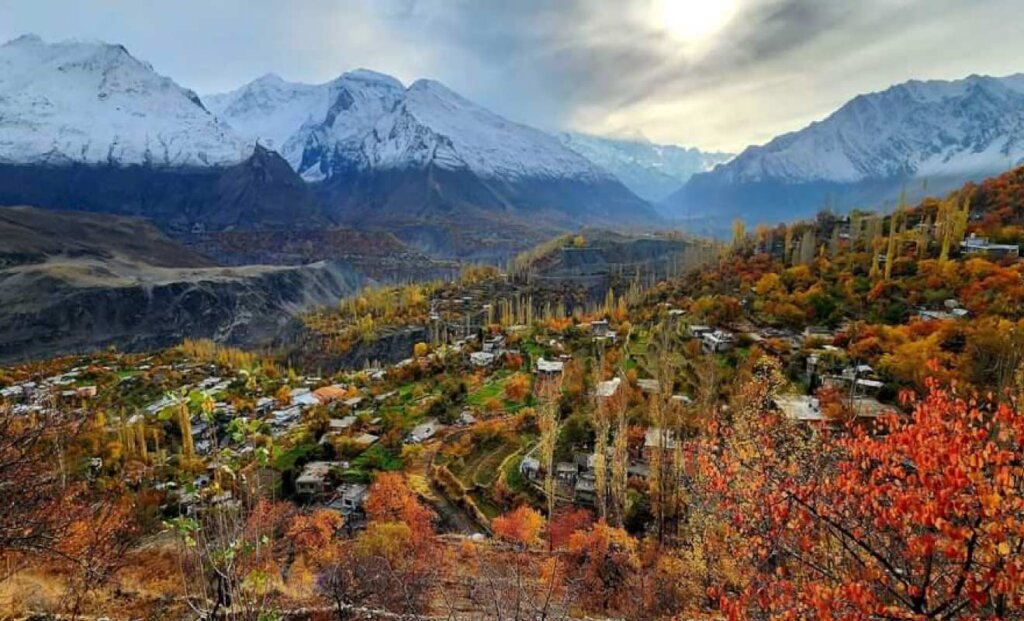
[[424, 431], [550, 368], [482, 358]]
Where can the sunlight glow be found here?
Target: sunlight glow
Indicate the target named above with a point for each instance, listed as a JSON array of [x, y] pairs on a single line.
[[693, 21]]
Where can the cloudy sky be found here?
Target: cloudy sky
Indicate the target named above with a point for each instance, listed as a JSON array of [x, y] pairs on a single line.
[[718, 74]]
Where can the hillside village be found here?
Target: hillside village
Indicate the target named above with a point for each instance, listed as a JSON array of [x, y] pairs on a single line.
[[520, 405]]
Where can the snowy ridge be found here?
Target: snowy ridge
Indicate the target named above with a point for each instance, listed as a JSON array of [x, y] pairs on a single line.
[[369, 121], [271, 108], [93, 103], [651, 171], [915, 129]]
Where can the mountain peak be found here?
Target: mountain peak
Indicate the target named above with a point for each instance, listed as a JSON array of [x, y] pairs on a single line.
[[270, 79], [652, 171], [368, 76], [26, 39], [93, 102], [945, 131]]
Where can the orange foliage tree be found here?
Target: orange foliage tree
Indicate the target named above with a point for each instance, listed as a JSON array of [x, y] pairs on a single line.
[[391, 500], [522, 526], [921, 517]]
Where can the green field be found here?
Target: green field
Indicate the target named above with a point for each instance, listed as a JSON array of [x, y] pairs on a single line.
[[493, 388]]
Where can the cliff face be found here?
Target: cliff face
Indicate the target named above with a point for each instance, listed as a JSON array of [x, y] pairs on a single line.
[[305, 352], [610, 260], [73, 282], [60, 308]]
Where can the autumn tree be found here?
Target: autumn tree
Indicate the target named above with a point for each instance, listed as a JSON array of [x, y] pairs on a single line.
[[921, 521], [395, 563], [391, 500], [228, 564], [547, 421], [522, 526], [420, 349], [517, 387], [601, 563], [739, 234]]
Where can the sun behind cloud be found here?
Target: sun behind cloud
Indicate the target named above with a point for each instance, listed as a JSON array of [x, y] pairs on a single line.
[[692, 21]]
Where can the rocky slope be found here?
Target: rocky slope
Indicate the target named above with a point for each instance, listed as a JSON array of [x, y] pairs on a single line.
[[939, 132], [121, 283]]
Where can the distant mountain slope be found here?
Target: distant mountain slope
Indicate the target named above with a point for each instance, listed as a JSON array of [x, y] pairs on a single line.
[[260, 192], [31, 235], [94, 103], [86, 126], [381, 151], [651, 171], [945, 132], [73, 282]]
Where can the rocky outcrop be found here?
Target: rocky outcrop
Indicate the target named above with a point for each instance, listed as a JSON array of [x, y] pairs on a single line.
[[74, 282], [54, 309], [305, 351]]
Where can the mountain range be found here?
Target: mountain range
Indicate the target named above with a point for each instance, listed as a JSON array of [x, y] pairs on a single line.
[[87, 126], [378, 150], [919, 136], [652, 171]]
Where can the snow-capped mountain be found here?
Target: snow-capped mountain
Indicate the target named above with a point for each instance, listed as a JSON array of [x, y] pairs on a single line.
[[87, 126], [370, 120], [945, 132], [381, 148], [651, 171], [94, 103]]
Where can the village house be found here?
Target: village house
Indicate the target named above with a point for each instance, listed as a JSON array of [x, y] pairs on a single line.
[[870, 408], [717, 342], [313, 481], [655, 439], [482, 358], [585, 490], [608, 388], [800, 408], [303, 397], [341, 425], [682, 400], [495, 344], [353, 403], [818, 333], [530, 468], [599, 328], [925, 314], [698, 331], [549, 369], [424, 431], [349, 498], [807, 409], [974, 245], [383, 397], [649, 386], [330, 394], [566, 471]]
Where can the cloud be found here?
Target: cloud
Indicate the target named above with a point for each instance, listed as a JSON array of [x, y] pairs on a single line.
[[603, 66]]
